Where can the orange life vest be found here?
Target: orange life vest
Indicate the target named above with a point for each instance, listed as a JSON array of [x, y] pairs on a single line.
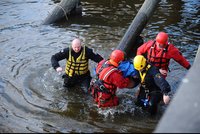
[[101, 89], [158, 59], [103, 73]]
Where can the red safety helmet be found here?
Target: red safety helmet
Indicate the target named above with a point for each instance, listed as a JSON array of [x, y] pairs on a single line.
[[162, 39], [116, 57]]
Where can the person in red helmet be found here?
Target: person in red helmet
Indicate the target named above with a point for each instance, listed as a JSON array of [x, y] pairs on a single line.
[[108, 78], [160, 51]]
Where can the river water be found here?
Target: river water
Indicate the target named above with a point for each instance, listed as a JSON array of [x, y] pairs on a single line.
[[31, 95]]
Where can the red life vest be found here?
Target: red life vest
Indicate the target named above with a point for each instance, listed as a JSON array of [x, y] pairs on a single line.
[[102, 90], [103, 71], [158, 57]]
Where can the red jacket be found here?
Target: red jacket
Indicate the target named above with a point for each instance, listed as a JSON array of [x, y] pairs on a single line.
[[161, 57], [114, 78]]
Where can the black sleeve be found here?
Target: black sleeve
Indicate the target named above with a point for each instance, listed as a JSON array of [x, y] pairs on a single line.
[[160, 81], [136, 80], [93, 56], [64, 54]]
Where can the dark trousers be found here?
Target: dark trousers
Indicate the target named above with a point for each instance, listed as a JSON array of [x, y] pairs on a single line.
[[83, 81], [154, 98]]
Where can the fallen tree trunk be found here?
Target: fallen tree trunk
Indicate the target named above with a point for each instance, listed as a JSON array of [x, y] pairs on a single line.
[[129, 42], [63, 10]]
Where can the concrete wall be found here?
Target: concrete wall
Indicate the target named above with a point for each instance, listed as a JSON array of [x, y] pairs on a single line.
[[183, 113]]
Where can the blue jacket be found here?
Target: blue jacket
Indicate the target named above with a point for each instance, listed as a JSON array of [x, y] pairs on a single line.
[[127, 68]]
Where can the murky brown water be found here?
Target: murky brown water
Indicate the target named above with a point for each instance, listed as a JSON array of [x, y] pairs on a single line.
[[31, 95]]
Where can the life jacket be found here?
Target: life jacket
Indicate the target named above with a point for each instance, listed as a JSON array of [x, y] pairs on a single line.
[[160, 59], [78, 66], [100, 82], [103, 73]]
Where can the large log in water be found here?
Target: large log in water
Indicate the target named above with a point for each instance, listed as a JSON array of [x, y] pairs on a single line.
[[183, 113], [63, 10], [128, 43]]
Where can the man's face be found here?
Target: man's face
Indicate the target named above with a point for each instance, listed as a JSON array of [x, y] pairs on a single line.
[[76, 46], [161, 46]]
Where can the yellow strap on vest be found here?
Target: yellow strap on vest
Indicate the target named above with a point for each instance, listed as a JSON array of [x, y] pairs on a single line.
[[78, 67], [144, 74]]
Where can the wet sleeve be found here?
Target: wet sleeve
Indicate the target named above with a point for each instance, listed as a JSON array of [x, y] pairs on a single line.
[[178, 57], [93, 56], [59, 56], [161, 82], [143, 48], [137, 80], [118, 80]]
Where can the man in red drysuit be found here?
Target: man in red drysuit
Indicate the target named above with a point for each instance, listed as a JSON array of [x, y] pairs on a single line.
[[160, 51], [108, 78]]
